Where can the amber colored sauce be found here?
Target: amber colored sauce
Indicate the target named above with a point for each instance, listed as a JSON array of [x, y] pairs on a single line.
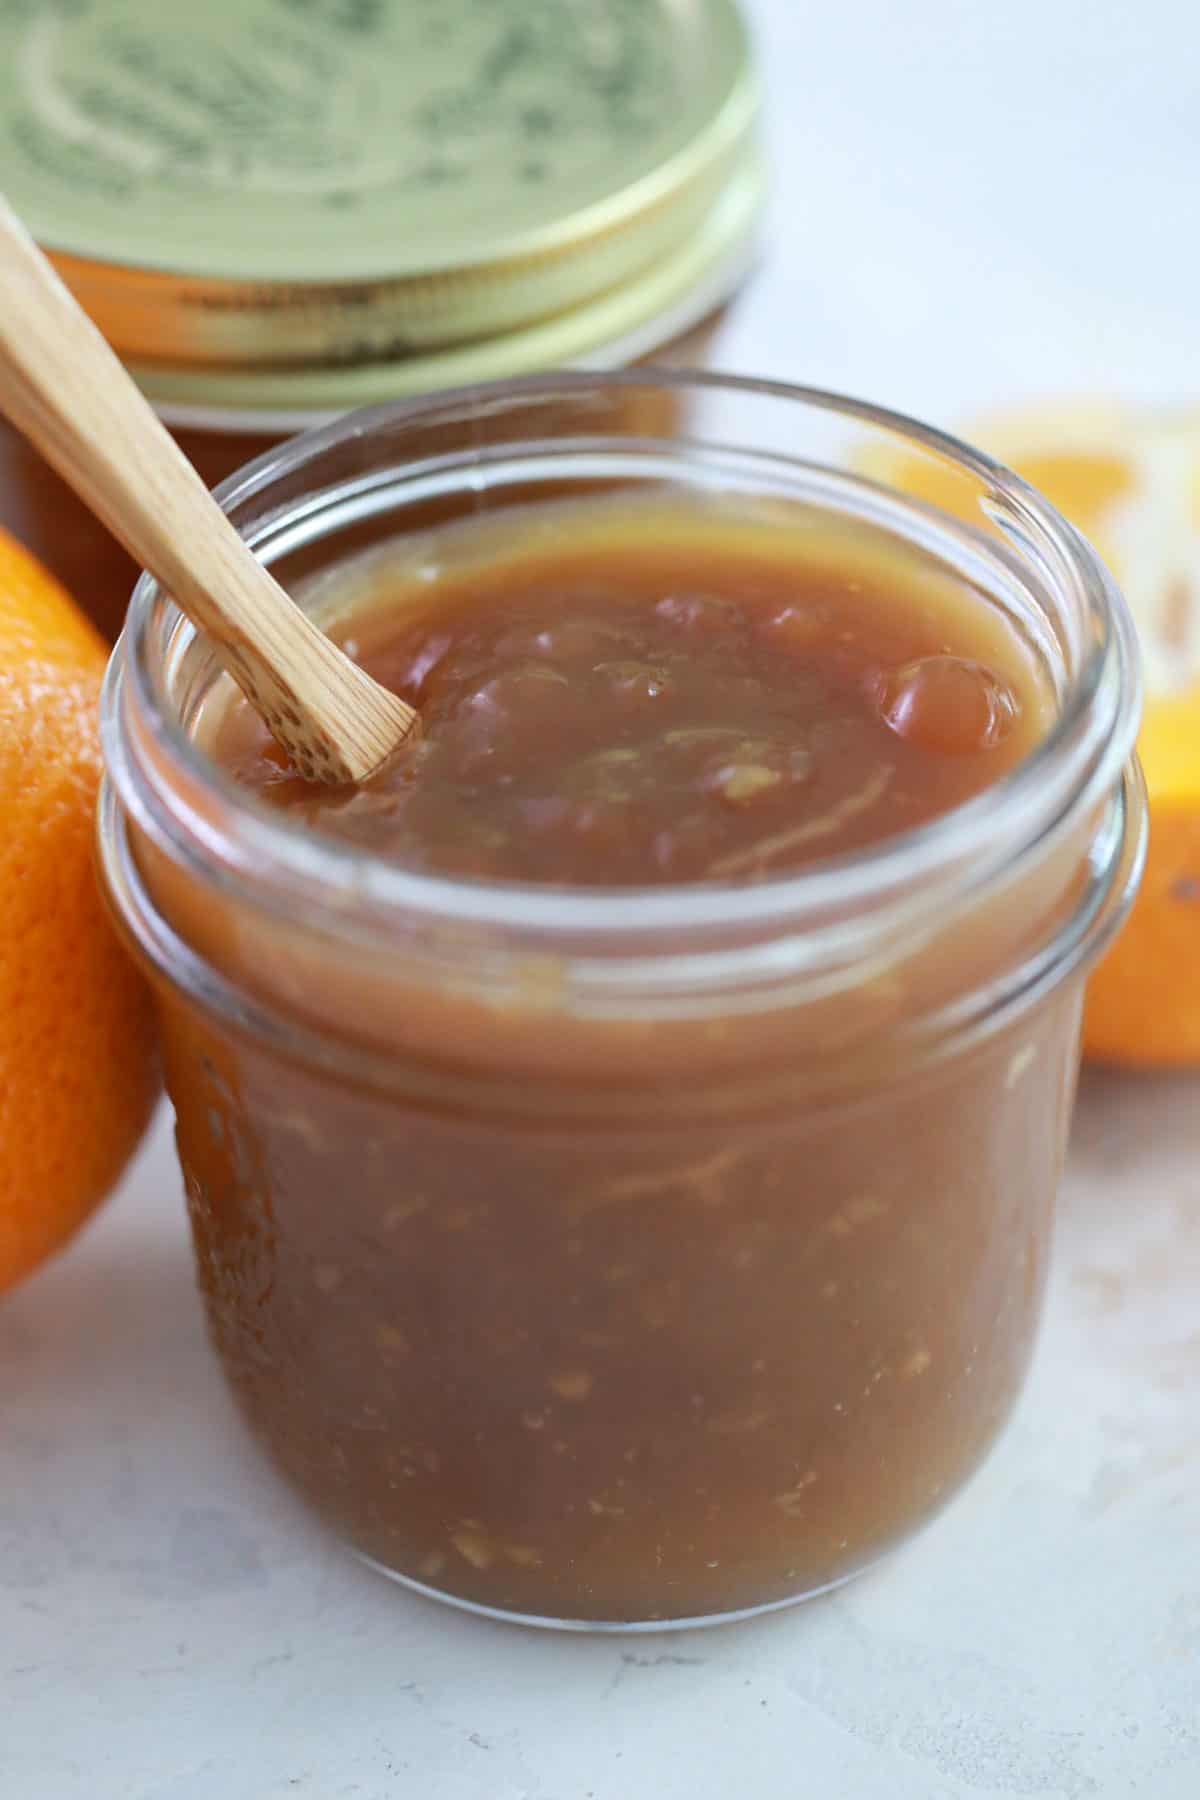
[[637, 696], [688, 1335]]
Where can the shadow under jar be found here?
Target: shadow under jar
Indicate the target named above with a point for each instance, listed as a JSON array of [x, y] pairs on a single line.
[[634, 1257]]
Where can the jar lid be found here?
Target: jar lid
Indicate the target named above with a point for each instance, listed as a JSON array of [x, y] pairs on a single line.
[[257, 199]]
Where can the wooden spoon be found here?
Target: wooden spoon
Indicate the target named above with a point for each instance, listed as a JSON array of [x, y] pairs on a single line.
[[63, 387]]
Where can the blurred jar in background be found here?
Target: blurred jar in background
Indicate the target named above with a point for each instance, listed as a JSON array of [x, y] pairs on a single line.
[[280, 209]]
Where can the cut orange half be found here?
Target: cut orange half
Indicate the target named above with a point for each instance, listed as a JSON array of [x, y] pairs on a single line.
[[1130, 482]]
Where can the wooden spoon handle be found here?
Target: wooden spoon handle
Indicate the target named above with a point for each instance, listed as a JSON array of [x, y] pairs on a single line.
[[63, 387]]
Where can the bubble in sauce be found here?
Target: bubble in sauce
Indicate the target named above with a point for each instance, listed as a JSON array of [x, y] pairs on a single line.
[[947, 704]]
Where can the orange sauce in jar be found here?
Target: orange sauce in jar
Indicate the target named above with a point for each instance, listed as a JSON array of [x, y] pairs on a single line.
[[588, 1336]]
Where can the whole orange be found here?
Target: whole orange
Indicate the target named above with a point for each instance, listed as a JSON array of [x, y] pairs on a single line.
[[78, 1070]]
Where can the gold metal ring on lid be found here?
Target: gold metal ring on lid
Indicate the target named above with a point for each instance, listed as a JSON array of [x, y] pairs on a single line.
[[296, 204]]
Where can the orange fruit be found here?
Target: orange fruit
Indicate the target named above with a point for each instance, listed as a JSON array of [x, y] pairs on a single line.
[[1130, 481], [78, 1071]]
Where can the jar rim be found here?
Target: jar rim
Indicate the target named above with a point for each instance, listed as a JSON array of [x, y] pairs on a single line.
[[831, 903], [1082, 937]]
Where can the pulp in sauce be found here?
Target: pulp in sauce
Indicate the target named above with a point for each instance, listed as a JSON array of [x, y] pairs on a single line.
[[638, 697]]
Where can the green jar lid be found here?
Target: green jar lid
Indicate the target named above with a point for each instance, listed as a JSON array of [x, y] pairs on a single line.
[[294, 205]]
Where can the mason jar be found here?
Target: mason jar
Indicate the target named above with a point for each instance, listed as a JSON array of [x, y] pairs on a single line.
[[277, 213], [627, 1258]]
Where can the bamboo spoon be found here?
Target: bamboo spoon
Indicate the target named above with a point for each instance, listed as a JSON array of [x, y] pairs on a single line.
[[63, 387]]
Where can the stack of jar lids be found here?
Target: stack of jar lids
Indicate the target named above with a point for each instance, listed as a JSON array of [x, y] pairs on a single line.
[[281, 208]]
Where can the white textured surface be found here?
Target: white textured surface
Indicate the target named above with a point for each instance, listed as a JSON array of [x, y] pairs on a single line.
[[973, 204]]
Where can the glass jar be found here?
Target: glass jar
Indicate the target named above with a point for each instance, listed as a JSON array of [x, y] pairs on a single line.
[[269, 233], [622, 1259]]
